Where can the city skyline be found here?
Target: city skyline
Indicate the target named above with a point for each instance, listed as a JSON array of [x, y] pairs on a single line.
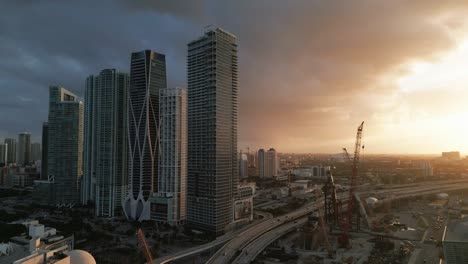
[[371, 77], [217, 131]]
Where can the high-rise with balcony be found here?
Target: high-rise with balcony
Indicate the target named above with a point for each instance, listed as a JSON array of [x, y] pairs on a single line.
[[212, 178], [147, 77], [65, 145], [105, 142], [24, 149], [169, 204]]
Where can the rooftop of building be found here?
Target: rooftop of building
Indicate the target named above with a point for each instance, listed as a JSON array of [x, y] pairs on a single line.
[[211, 28], [456, 231]]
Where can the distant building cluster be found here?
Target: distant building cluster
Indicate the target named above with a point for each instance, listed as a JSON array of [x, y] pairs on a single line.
[[451, 155], [136, 147], [20, 161], [20, 152]]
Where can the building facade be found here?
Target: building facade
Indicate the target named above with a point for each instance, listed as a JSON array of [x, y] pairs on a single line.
[[36, 152], [271, 163], [45, 151], [243, 165], [212, 131], [65, 145], [24, 149], [3, 153], [105, 142], [455, 242], [147, 77], [261, 163], [11, 154], [169, 204]]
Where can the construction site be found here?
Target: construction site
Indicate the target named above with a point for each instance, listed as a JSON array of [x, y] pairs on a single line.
[[354, 226]]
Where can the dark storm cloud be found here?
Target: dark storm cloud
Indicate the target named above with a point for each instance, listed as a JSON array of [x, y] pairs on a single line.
[[57, 43], [303, 64]]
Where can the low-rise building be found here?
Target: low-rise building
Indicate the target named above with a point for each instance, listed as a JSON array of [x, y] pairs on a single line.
[[38, 244], [243, 205], [455, 242], [14, 176], [313, 171]]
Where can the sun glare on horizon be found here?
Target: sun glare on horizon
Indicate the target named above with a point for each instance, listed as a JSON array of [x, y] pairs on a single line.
[[444, 124]]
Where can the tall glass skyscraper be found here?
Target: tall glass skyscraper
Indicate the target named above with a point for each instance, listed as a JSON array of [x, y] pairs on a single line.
[[65, 145], [212, 131], [24, 149], [169, 204], [147, 77], [105, 148]]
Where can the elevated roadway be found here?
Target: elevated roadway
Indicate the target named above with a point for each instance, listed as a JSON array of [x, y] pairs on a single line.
[[261, 241], [235, 242]]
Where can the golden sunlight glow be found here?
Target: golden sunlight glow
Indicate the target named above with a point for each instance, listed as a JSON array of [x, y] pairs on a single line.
[[449, 72], [435, 124]]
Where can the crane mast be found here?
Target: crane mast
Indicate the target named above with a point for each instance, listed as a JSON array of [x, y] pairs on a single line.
[[323, 226], [346, 226]]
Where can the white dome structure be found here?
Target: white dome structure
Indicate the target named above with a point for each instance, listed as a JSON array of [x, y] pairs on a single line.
[[80, 257], [371, 201]]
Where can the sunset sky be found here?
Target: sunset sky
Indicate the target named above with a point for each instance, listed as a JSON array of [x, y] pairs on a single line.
[[310, 71]]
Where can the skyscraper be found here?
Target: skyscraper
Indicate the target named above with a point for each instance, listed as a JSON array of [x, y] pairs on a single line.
[[252, 166], [212, 131], [11, 155], [261, 163], [65, 145], [271, 163], [147, 77], [268, 165], [3, 153], [105, 137], [243, 165], [24, 149], [36, 151], [45, 150], [169, 205]]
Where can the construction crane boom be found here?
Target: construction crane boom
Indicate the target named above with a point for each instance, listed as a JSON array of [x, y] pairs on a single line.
[[144, 246], [354, 178]]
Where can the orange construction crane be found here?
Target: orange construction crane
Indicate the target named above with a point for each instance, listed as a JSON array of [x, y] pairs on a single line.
[[346, 221], [144, 246]]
